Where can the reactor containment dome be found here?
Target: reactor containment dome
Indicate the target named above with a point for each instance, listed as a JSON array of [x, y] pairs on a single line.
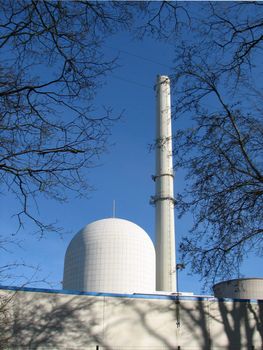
[[110, 255]]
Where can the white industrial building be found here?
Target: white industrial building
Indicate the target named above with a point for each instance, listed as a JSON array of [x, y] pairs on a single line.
[[119, 292], [53, 319], [115, 255], [110, 255]]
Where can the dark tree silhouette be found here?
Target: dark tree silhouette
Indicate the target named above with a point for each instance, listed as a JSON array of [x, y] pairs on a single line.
[[217, 85], [50, 68], [218, 111], [221, 153]]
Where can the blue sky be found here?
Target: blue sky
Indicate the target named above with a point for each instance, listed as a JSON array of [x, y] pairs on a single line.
[[123, 173]]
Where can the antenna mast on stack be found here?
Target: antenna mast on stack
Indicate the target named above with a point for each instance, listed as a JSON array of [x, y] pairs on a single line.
[[164, 191]]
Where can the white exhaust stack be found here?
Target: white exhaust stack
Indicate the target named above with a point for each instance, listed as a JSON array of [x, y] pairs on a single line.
[[164, 195]]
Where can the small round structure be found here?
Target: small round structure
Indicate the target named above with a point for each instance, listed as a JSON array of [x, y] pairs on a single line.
[[110, 255], [242, 288]]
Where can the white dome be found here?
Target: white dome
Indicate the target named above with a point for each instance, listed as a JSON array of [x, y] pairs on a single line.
[[110, 255]]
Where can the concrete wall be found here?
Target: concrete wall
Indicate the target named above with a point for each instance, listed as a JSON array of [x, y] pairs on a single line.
[[242, 288], [43, 319]]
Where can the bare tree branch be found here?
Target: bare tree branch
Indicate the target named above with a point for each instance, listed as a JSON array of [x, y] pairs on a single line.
[[51, 66]]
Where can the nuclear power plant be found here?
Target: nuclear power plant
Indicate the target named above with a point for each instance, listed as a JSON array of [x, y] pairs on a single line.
[[119, 290], [115, 255], [110, 255]]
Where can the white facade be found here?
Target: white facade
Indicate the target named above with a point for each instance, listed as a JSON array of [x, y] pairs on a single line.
[[164, 191], [110, 255], [46, 319]]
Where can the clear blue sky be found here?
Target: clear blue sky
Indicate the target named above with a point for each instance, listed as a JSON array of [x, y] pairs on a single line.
[[123, 174]]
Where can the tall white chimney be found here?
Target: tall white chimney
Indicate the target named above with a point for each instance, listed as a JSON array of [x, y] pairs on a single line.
[[164, 191]]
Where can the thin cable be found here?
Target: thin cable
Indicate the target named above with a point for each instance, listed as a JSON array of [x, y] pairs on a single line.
[[138, 56], [131, 82]]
